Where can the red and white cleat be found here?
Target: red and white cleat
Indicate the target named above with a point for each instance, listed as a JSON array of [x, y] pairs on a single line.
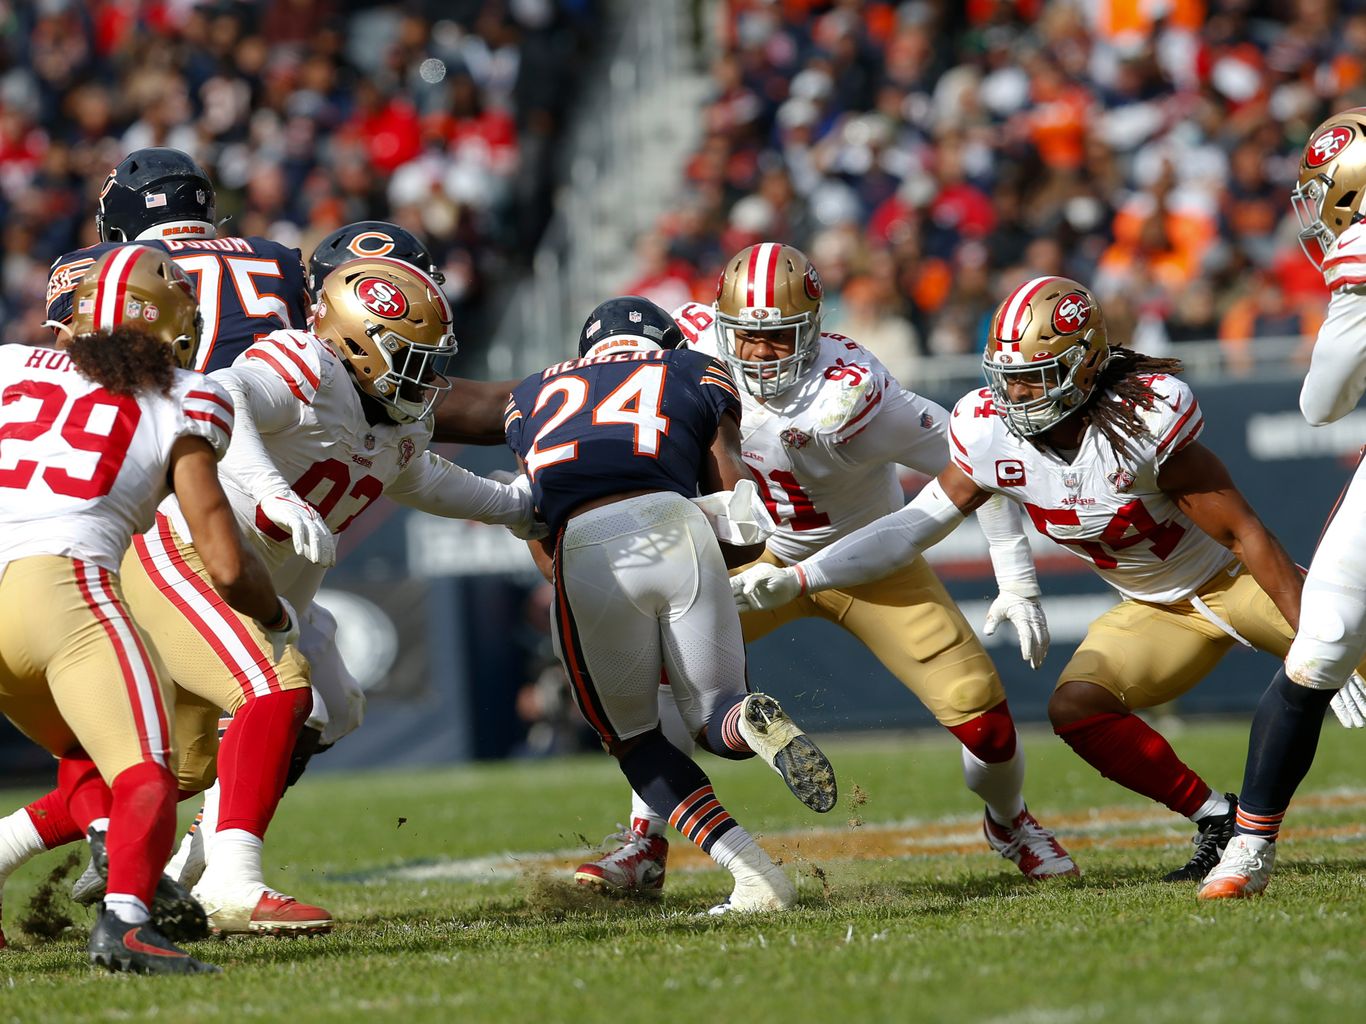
[[271, 913], [1030, 846], [1243, 871], [635, 868]]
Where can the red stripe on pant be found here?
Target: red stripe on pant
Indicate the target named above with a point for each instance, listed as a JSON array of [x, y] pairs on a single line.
[[585, 694]]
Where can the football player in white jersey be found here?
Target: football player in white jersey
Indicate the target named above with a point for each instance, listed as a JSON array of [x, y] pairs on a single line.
[[823, 427], [95, 436], [1332, 639], [1099, 445]]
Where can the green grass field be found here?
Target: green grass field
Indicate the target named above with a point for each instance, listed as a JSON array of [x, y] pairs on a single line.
[[465, 911]]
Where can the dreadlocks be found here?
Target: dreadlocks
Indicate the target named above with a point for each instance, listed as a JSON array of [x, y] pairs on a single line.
[[1127, 375], [124, 360]]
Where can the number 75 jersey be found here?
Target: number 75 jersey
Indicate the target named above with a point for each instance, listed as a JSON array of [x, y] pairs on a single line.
[[1104, 507]]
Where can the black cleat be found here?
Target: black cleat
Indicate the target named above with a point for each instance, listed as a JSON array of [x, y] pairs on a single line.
[[1213, 835], [176, 913], [772, 734], [139, 949]]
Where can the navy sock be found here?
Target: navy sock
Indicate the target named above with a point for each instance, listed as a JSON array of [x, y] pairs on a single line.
[[722, 733], [1280, 751], [672, 783]]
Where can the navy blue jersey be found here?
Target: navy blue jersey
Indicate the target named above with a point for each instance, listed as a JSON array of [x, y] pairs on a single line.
[[247, 287], [624, 421]]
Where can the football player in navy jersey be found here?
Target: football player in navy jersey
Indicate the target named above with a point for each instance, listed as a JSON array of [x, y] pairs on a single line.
[[616, 445], [247, 287]]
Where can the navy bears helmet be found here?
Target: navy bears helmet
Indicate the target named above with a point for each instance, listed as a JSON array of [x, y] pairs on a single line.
[[155, 188], [368, 238], [629, 317]]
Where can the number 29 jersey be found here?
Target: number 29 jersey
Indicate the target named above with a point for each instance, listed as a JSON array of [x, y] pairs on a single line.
[[622, 421], [1104, 507]]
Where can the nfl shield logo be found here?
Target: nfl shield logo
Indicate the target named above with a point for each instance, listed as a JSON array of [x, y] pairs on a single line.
[[1071, 481], [369, 442]]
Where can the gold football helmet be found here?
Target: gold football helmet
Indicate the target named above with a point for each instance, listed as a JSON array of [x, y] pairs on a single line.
[[769, 287], [1049, 331], [138, 286], [391, 324], [1327, 197]]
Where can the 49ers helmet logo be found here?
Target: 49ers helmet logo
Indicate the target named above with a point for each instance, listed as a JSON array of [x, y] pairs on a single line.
[[382, 298], [1328, 145], [371, 243], [1071, 312], [811, 283]]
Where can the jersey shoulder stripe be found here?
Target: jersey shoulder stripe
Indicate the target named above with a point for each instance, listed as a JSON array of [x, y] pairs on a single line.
[[208, 412], [296, 356]]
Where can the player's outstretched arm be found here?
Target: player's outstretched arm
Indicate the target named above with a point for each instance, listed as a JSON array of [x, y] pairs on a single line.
[[436, 485], [471, 412], [1200, 484], [868, 554], [1337, 368], [236, 572]]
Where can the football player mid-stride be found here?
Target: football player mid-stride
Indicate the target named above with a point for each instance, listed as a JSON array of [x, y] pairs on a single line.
[[1099, 445], [616, 445]]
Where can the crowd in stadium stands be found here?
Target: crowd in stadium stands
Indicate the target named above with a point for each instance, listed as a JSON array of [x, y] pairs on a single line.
[[440, 115], [1150, 157]]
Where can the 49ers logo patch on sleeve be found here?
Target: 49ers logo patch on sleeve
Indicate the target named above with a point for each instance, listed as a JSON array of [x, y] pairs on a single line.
[[382, 298], [1010, 473], [1071, 312], [1328, 145]]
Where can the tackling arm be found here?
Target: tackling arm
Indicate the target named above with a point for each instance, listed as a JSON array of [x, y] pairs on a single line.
[[436, 485], [1337, 368], [471, 412], [725, 470], [1200, 485]]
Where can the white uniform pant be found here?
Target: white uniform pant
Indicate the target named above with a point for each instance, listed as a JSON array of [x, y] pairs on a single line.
[[1332, 636], [338, 700], [640, 586]]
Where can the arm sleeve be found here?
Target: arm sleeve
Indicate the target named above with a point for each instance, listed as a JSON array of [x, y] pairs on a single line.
[[436, 485], [1011, 559], [1337, 369], [885, 545], [263, 403], [906, 429]]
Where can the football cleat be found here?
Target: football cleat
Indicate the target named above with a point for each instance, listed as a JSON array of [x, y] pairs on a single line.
[[1243, 871], [176, 913], [760, 893], [771, 734], [636, 867], [139, 949], [1030, 847], [1212, 835], [263, 912]]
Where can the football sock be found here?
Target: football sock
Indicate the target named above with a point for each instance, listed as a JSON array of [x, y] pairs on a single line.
[[729, 848], [236, 860], [1280, 751], [254, 758], [993, 763], [20, 842], [667, 778], [675, 730], [50, 817], [141, 829], [722, 732], [128, 909], [1215, 804], [87, 797], [1124, 749]]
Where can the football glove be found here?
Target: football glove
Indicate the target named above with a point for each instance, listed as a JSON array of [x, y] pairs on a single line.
[[1349, 703], [1031, 626], [531, 528], [312, 537], [282, 633], [764, 586]]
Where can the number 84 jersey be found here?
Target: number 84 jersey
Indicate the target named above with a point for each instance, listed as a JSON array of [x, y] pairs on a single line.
[[1104, 507]]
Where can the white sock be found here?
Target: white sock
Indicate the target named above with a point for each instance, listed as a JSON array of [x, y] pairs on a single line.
[[1215, 803], [727, 851], [640, 809], [128, 909], [208, 822], [19, 842], [188, 862], [1000, 785], [234, 861]]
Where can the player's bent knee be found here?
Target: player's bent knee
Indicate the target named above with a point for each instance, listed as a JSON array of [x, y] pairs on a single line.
[[1074, 700]]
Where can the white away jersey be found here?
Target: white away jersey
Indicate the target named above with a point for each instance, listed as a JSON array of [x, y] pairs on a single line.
[[316, 435], [82, 469], [1103, 507], [824, 454], [1337, 370]]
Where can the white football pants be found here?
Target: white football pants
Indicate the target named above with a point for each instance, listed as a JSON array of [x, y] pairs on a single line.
[[1332, 636], [641, 586]]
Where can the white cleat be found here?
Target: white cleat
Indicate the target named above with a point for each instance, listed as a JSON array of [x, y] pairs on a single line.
[[772, 734], [759, 894], [1030, 847], [257, 910], [1243, 871]]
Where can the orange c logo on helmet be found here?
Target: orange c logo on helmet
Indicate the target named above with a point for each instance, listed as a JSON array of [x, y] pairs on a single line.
[[371, 243], [1070, 314], [1327, 145], [811, 283], [108, 182], [382, 298]]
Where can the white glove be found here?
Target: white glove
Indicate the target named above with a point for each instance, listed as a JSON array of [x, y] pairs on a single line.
[[1026, 615], [313, 538], [737, 516], [764, 586], [287, 634], [1349, 703]]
